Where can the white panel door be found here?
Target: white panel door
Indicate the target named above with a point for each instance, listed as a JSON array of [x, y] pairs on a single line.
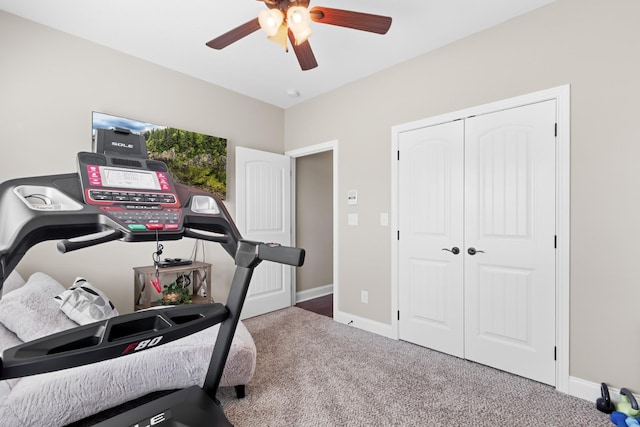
[[263, 213], [485, 185], [510, 218], [430, 248]]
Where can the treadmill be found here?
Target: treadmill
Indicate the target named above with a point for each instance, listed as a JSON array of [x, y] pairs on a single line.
[[118, 193]]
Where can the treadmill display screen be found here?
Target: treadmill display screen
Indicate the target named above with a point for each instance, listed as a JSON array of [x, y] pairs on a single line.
[[129, 178]]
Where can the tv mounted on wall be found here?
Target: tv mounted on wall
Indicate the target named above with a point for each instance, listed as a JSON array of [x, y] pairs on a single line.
[[193, 158]]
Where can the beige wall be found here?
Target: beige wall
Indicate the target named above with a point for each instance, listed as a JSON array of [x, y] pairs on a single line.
[[591, 45], [50, 83], [314, 219]]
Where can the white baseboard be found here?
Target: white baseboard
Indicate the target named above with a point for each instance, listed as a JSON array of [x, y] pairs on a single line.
[[368, 325], [587, 390], [320, 291], [591, 391]]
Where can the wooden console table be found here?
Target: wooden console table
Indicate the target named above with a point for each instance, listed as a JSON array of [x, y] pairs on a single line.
[[146, 295]]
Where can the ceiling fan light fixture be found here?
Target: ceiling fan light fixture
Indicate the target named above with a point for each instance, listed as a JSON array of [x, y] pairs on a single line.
[[298, 21], [280, 37], [270, 21]]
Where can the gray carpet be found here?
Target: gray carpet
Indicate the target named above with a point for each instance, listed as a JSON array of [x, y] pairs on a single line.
[[312, 371]]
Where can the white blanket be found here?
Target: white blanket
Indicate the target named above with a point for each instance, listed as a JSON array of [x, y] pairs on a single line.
[[59, 398]]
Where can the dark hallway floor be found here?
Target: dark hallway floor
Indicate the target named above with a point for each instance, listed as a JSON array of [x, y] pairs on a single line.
[[321, 305]]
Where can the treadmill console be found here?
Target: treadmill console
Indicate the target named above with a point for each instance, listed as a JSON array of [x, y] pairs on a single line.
[[137, 193]]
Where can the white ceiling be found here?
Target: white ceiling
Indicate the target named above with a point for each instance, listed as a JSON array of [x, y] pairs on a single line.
[[173, 34]]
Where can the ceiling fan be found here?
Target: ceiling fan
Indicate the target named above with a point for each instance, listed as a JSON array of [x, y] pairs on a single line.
[[289, 19]]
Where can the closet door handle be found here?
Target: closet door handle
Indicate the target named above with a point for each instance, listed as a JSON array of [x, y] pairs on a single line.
[[473, 251], [455, 250]]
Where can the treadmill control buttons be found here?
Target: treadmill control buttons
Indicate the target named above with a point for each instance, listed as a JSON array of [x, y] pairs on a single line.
[[93, 172], [137, 197], [143, 218]]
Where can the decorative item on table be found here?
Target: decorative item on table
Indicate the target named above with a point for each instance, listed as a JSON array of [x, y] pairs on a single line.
[[176, 293]]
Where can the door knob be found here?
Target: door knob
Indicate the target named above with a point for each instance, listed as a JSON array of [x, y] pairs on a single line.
[[473, 251], [453, 250]]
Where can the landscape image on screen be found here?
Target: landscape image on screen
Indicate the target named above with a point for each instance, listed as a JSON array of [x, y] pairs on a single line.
[[193, 158]]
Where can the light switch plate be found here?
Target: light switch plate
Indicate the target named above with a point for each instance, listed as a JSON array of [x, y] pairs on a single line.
[[352, 219]]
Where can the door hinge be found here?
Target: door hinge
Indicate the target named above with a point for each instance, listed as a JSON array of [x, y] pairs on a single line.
[[398, 154], [398, 314], [555, 130], [398, 234], [555, 242], [555, 353]]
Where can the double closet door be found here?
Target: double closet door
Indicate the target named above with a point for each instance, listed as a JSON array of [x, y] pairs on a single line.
[[477, 239]]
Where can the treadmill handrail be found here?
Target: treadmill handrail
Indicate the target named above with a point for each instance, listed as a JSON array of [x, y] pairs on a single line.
[[23, 228], [118, 336], [68, 245]]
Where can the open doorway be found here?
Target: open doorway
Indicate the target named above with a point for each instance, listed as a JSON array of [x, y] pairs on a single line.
[[314, 227]]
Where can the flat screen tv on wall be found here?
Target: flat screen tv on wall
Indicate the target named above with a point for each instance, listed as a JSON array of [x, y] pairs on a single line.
[[193, 158]]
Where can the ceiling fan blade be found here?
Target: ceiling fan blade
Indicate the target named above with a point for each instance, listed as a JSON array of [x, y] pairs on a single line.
[[234, 35], [303, 52], [349, 19]]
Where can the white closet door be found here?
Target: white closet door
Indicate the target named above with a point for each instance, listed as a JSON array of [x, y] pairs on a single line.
[[510, 217], [431, 221], [483, 184], [263, 213]]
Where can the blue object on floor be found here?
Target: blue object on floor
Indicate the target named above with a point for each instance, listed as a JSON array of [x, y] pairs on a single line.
[[619, 419], [632, 422]]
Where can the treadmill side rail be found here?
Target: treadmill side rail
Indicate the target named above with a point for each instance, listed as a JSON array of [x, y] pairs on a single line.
[[108, 339]]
